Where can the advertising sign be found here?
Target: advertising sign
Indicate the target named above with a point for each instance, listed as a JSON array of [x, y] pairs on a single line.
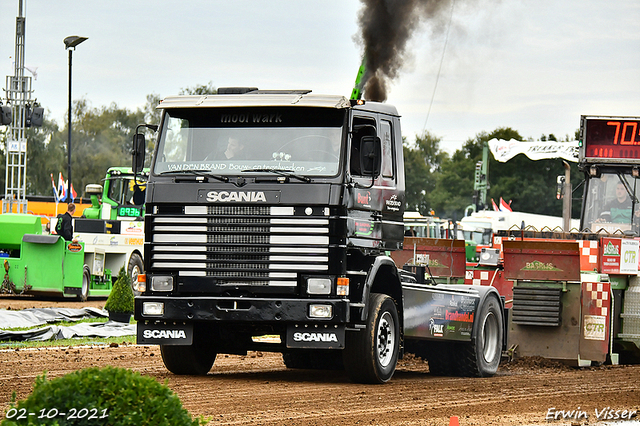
[[619, 256]]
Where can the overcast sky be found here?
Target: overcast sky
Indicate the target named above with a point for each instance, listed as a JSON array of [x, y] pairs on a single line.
[[532, 65]]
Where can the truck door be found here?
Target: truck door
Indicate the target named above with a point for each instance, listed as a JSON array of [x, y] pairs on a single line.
[[376, 201]]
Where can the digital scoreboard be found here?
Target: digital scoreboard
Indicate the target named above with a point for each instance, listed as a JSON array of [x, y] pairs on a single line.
[[129, 211], [610, 139]]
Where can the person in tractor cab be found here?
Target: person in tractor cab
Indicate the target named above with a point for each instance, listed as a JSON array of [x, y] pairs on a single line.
[[619, 209]]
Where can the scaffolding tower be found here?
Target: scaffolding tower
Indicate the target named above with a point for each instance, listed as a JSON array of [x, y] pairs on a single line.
[[18, 94]]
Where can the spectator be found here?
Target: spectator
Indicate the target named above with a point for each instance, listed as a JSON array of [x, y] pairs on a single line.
[[64, 227]]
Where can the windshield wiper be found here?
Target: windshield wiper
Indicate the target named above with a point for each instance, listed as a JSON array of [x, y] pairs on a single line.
[[204, 173], [280, 173]]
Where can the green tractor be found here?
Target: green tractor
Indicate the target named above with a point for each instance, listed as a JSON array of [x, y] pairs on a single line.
[[122, 195]]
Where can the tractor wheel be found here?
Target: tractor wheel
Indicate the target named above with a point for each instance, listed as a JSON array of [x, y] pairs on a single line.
[[86, 281]]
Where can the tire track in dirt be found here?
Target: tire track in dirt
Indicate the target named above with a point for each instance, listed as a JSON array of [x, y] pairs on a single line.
[[258, 389]]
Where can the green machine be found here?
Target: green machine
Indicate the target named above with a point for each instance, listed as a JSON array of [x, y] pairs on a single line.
[[39, 263], [121, 197]]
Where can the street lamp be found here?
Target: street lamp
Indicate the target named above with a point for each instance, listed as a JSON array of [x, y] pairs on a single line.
[[70, 44]]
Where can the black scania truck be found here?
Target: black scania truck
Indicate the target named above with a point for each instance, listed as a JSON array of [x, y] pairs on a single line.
[[271, 217]]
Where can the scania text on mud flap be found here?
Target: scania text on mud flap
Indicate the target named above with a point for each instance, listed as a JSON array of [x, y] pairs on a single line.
[[268, 221]]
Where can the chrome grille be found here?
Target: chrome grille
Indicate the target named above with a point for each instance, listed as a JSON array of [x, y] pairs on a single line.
[[240, 245]]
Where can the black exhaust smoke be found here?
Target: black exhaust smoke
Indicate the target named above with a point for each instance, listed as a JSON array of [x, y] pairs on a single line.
[[386, 27]]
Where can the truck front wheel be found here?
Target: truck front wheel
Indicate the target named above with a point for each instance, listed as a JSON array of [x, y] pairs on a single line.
[[196, 359], [135, 268], [481, 356], [371, 355]]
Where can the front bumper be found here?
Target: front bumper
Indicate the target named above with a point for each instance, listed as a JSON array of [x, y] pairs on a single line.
[[241, 309]]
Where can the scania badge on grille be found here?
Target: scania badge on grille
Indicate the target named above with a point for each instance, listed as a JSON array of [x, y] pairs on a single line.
[[213, 196], [236, 196]]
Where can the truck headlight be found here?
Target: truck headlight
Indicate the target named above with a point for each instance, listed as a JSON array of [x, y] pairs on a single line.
[[318, 286], [161, 283], [320, 311], [152, 308]]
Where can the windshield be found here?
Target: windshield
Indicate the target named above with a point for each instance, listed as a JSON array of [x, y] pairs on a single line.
[[124, 190], [609, 203], [230, 141], [479, 232]]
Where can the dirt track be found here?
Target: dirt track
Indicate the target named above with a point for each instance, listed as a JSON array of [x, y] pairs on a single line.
[[258, 389]]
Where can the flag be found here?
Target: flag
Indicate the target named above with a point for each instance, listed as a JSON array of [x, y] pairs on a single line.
[[55, 190], [495, 208], [74, 194], [62, 188], [504, 207]]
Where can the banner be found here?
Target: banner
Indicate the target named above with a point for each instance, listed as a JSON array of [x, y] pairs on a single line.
[[537, 150]]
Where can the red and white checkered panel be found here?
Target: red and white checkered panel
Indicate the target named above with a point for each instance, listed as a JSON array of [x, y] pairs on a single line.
[[597, 298], [494, 277], [588, 255], [478, 277]]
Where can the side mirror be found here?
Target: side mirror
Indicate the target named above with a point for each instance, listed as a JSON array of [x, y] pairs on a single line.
[[370, 155], [5, 115], [137, 163]]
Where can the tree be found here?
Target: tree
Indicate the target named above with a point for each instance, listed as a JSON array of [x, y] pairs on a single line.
[[422, 163], [200, 89], [101, 138], [454, 185], [529, 185]]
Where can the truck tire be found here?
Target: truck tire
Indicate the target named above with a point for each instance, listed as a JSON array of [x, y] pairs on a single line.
[[135, 268], [326, 359], [439, 356], [297, 360], [317, 359], [86, 281], [195, 360], [481, 356], [371, 355]]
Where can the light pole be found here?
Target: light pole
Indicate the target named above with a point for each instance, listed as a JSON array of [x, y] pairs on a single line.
[[70, 44]]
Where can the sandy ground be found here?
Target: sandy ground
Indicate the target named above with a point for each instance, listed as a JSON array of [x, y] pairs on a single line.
[[258, 389]]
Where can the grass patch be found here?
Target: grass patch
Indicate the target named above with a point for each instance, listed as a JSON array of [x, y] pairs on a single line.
[[81, 341]]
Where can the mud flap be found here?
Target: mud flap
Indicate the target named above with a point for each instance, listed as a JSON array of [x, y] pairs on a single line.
[[331, 337], [150, 333]]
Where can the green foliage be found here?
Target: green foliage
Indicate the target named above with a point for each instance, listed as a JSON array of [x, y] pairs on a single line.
[[422, 164], [200, 89], [121, 297], [114, 396], [101, 138], [529, 185]]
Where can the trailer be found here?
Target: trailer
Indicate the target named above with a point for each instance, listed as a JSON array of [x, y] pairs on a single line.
[[575, 295]]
